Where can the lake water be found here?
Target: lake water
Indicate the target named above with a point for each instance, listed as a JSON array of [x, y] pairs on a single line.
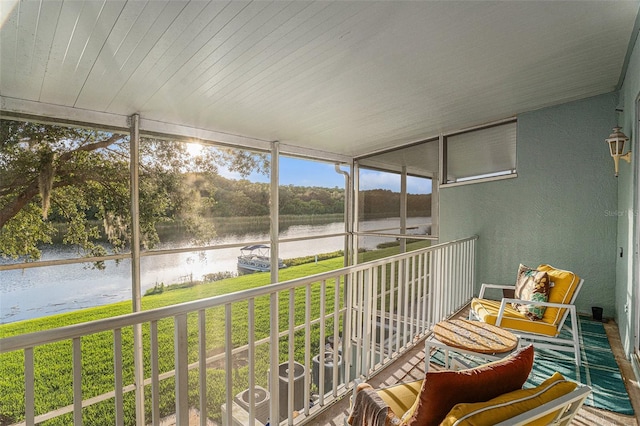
[[38, 292]]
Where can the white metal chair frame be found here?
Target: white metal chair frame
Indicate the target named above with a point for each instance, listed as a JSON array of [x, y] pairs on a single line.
[[571, 403], [540, 340]]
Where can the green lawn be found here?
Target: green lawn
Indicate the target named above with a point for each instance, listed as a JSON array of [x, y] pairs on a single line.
[[53, 363]]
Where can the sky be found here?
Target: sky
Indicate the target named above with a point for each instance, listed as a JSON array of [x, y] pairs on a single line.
[[294, 171]]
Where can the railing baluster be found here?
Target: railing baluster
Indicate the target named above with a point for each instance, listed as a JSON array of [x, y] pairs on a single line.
[[307, 347], [454, 277], [251, 355], [445, 283], [77, 382], [417, 311], [155, 373], [228, 362], [181, 364], [458, 291], [412, 297], [392, 306], [375, 312], [292, 368], [451, 286], [386, 299], [426, 292], [384, 352], [463, 273], [448, 281], [462, 284], [439, 278], [29, 387], [368, 323], [399, 304], [347, 330], [323, 296], [359, 289], [468, 264], [454, 280], [472, 266], [274, 354], [117, 367], [202, 364], [463, 259], [336, 337], [422, 272], [433, 289], [405, 310]]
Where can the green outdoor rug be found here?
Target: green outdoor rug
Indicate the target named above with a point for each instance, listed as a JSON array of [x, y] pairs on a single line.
[[599, 369]]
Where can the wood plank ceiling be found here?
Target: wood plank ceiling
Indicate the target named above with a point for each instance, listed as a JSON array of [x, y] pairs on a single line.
[[343, 77]]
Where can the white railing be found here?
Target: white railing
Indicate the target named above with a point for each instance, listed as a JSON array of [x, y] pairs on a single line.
[[206, 354]]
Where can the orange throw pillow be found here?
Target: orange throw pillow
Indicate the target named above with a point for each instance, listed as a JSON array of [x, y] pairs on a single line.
[[442, 390]]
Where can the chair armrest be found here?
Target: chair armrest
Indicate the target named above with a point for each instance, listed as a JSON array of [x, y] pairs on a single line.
[[498, 286], [505, 300]]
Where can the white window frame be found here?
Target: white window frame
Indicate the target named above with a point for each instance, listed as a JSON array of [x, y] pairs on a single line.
[[487, 177]]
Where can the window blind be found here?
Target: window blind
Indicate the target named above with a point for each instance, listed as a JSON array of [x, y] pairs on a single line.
[[481, 153]]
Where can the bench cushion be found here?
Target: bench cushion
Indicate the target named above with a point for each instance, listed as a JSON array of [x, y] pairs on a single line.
[[487, 311]]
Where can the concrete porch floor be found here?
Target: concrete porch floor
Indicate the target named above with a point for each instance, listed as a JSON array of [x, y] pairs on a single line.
[[410, 366]]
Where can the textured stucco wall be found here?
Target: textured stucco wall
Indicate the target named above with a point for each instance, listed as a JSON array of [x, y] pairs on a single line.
[[626, 292], [559, 210]]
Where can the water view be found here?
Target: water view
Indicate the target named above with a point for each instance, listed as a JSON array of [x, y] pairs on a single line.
[[38, 292]]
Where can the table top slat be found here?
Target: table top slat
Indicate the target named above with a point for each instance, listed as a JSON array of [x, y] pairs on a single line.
[[475, 336]]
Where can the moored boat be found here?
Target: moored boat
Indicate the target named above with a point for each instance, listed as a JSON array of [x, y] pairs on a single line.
[[257, 258]]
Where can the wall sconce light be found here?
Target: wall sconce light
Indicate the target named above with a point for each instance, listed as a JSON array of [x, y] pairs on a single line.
[[616, 142]]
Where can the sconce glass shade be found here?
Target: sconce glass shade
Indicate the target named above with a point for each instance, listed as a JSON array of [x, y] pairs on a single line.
[[616, 141]]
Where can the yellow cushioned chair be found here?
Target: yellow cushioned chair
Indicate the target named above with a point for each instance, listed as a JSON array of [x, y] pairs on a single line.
[[544, 333], [555, 401]]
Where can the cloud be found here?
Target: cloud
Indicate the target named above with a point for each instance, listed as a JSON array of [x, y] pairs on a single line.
[[381, 180], [417, 185]]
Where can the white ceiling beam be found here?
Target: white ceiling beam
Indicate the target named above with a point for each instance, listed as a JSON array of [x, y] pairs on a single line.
[[57, 114]]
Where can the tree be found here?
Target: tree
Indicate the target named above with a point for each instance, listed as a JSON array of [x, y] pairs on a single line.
[[75, 182]]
